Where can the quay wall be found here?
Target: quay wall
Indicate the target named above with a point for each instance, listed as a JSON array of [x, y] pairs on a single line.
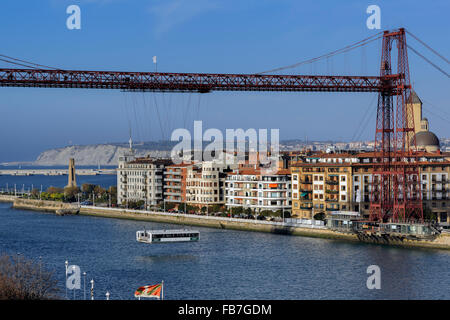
[[216, 222], [46, 206], [441, 242], [7, 198]]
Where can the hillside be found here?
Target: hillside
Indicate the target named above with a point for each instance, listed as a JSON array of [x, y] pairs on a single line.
[[92, 155]]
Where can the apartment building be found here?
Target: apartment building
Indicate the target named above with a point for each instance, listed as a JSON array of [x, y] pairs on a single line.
[[434, 171], [332, 182], [321, 184], [140, 179], [175, 183], [205, 183], [251, 188]]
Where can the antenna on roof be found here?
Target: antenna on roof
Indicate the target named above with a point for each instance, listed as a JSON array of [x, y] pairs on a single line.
[[131, 142]]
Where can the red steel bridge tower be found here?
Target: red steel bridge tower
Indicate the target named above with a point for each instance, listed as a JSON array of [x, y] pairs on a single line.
[[396, 191]]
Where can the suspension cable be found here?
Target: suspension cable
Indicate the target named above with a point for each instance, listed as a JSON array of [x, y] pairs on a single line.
[[431, 63], [431, 49], [330, 54], [18, 64], [27, 62]]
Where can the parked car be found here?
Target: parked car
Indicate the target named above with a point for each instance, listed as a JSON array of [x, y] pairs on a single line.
[[86, 203]]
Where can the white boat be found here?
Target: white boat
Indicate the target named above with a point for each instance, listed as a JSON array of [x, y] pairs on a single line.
[[160, 236]]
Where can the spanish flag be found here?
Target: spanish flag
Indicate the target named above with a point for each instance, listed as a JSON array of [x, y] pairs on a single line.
[[153, 291]]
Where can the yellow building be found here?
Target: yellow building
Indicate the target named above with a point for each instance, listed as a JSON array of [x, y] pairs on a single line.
[[332, 182], [321, 185]]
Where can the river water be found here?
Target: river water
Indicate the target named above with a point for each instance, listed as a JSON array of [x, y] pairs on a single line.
[[224, 264]]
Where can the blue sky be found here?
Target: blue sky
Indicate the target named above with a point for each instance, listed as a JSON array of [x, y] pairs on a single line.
[[206, 36]]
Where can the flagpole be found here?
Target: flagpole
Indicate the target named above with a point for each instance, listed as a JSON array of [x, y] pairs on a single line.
[[162, 290]]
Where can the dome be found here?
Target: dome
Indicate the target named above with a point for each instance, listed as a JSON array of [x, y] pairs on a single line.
[[426, 139]]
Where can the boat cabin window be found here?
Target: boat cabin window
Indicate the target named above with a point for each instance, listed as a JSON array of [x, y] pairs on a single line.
[[175, 235]]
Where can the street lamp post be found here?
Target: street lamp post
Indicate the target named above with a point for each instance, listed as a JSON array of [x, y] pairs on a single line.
[[73, 270], [92, 289], [67, 265], [84, 288]]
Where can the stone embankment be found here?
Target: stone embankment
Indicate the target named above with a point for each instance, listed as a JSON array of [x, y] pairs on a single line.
[[7, 198], [441, 242], [217, 222], [57, 207]]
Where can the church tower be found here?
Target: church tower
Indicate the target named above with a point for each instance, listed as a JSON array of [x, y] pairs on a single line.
[[425, 139]]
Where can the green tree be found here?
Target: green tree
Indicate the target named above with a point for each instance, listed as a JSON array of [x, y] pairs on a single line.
[[319, 216], [35, 193], [45, 195], [217, 208], [87, 188], [71, 193], [135, 204], [99, 191], [237, 210], [428, 214], [55, 190], [57, 196]]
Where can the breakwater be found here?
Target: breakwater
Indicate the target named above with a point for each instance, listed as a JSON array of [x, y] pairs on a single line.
[[57, 207], [54, 172]]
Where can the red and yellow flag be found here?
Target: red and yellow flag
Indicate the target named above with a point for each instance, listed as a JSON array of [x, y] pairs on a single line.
[[153, 291]]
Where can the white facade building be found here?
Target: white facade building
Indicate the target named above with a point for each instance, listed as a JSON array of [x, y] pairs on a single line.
[[249, 188], [140, 179]]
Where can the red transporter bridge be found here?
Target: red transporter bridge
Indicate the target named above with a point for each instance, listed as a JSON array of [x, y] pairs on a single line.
[[395, 195]]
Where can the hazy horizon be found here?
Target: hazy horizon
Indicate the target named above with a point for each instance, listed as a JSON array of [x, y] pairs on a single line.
[[207, 36]]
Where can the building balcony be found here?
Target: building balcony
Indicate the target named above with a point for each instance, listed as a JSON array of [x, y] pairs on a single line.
[[332, 191], [175, 194], [332, 182], [169, 186], [173, 179]]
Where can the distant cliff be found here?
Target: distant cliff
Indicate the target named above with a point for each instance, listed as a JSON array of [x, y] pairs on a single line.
[[92, 155]]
